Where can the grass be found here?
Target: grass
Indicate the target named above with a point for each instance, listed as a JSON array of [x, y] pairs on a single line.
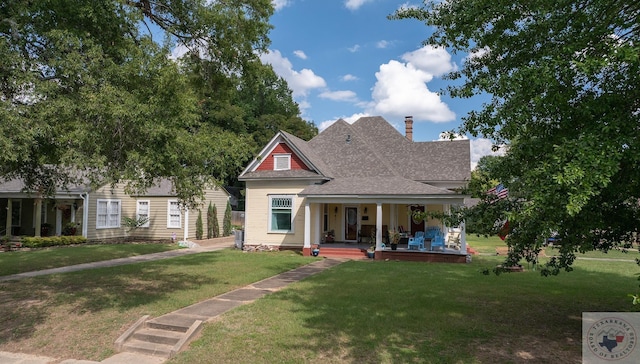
[[357, 312], [25, 261], [404, 312], [79, 315]]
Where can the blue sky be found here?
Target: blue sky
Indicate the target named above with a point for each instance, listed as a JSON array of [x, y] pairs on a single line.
[[345, 59]]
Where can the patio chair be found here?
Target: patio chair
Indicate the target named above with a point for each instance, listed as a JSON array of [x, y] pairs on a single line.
[[437, 242], [416, 241], [453, 240], [431, 232]]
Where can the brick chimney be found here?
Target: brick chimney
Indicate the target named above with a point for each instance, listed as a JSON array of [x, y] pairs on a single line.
[[408, 126]]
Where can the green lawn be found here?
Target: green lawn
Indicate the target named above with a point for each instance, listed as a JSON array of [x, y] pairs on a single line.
[[405, 312], [357, 312], [26, 261]]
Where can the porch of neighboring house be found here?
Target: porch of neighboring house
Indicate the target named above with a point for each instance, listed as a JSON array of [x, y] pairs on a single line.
[[351, 229], [29, 216]]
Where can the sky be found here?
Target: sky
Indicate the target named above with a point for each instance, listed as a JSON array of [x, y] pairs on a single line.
[[345, 59]]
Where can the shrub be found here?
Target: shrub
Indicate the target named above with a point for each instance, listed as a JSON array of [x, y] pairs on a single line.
[[216, 225], [47, 241], [199, 226], [226, 227]]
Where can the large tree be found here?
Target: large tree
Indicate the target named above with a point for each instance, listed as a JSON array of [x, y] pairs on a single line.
[[563, 78], [85, 86]]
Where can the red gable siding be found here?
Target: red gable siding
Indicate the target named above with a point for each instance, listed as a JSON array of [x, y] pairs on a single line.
[[282, 148]]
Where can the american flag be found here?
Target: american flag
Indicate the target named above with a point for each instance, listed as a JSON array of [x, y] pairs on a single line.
[[500, 190]]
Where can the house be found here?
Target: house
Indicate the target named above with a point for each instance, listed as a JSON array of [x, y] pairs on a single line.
[[99, 213], [351, 179]]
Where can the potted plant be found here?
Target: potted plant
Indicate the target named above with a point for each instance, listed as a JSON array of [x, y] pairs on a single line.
[[70, 229], [44, 229], [315, 250], [394, 238], [371, 252]]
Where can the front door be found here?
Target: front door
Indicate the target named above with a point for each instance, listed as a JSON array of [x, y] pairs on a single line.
[[351, 223]]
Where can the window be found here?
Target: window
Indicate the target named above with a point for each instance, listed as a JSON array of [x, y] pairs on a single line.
[[108, 214], [174, 216], [281, 214], [281, 162], [142, 212]]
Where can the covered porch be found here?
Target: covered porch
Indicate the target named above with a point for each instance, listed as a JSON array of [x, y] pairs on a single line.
[[362, 223], [23, 214]]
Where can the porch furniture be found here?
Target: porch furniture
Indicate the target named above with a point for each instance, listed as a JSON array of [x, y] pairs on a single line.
[[431, 232], [453, 240], [417, 241], [437, 242]]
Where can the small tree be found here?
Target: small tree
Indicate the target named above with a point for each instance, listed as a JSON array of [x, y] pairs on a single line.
[[226, 224], [199, 226], [215, 223], [210, 221]]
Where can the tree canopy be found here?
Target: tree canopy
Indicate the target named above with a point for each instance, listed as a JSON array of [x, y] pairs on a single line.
[[84, 86], [563, 79]]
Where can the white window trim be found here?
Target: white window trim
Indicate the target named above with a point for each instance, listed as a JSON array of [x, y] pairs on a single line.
[[276, 157], [270, 214], [148, 212], [169, 226], [109, 203]]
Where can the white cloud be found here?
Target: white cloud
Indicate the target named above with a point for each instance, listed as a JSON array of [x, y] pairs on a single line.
[[301, 81], [355, 4], [349, 77], [434, 60], [354, 49], [401, 88], [346, 95], [382, 44], [481, 147], [300, 54], [279, 4]]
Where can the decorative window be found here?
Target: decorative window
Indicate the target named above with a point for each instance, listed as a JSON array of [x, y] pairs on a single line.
[[281, 162], [281, 214], [108, 214], [142, 212], [174, 215]]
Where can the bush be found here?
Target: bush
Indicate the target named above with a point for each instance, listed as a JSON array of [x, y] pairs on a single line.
[[43, 242], [199, 226], [226, 223]]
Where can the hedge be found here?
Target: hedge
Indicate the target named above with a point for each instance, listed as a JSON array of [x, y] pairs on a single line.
[[43, 242]]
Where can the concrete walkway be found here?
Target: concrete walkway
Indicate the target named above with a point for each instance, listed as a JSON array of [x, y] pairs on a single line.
[[204, 311]]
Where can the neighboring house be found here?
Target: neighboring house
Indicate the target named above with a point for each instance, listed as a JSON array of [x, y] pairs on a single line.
[[350, 179], [99, 213]]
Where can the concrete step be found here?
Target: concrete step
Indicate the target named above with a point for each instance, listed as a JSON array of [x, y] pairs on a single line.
[[158, 336], [148, 348], [173, 322]]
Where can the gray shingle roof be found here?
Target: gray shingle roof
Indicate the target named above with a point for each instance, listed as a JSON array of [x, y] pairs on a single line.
[[371, 157]]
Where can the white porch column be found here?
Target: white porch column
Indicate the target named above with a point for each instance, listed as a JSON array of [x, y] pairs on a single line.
[[38, 216], [318, 236], [73, 212], [463, 238], [9, 214], [307, 225], [186, 225], [85, 214], [378, 226], [58, 221]]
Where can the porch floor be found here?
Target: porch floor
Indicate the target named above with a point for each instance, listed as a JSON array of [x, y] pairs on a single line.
[[359, 251]]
